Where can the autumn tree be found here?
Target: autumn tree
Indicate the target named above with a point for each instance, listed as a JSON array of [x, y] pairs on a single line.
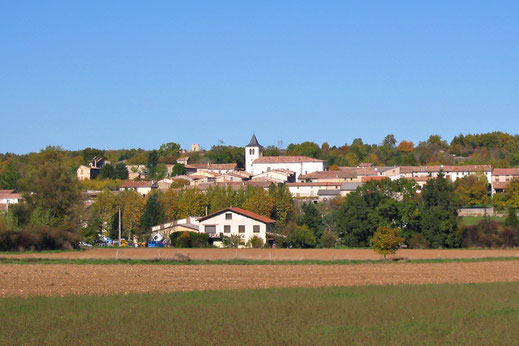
[[258, 201], [192, 202], [169, 202], [132, 208], [386, 240], [406, 146], [472, 190], [283, 204]]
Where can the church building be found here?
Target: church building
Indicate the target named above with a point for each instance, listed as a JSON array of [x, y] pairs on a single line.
[[256, 163]]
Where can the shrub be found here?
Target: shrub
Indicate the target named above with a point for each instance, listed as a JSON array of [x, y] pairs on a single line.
[[387, 240], [417, 241], [255, 242], [329, 239], [232, 242], [37, 238], [488, 233], [189, 239]]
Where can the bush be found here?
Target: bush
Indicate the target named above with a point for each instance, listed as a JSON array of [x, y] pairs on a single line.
[[488, 233], [37, 238], [255, 242], [417, 241], [329, 239], [232, 242], [189, 239]]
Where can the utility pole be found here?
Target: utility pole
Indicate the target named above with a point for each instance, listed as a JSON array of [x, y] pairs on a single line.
[[119, 226]]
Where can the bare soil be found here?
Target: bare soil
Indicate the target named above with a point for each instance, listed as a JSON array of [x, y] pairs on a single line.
[[22, 280], [263, 254]]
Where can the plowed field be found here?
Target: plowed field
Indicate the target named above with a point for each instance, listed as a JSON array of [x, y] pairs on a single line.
[[74, 279]]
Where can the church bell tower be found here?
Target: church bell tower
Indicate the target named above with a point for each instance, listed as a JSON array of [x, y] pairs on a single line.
[[253, 151]]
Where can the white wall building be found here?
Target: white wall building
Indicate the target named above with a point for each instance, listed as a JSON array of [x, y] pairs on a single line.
[[256, 163], [236, 221]]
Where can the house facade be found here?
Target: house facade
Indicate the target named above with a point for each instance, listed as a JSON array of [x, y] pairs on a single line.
[[236, 221]]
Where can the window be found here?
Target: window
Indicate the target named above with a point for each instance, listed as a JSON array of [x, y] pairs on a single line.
[[228, 216], [210, 229], [241, 228], [227, 229], [256, 228]]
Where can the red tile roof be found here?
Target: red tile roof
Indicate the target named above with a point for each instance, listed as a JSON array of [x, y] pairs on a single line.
[[135, 184], [343, 174], [506, 171], [240, 211], [377, 178], [213, 166], [500, 185], [314, 184], [285, 159]]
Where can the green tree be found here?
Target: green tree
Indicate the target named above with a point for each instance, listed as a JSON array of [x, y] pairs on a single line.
[[132, 208], [302, 237], [153, 160], [439, 211], [328, 239], [107, 172], [169, 152], [10, 178], [387, 240], [153, 215], [178, 169], [312, 218], [50, 186], [511, 219], [283, 204], [121, 172]]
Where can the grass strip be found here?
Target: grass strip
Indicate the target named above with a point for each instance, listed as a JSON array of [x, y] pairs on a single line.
[[451, 314], [4, 260]]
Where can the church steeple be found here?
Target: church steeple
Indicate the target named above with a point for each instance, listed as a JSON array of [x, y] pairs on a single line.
[[253, 142], [253, 151]]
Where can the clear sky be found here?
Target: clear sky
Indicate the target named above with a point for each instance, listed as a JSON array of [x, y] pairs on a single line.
[[127, 74]]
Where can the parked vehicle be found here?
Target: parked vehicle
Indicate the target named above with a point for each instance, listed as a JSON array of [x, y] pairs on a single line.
[[84, 244], [155, 243]]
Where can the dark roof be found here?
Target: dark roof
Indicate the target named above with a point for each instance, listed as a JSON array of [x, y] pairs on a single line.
[[242, 212], [253, 142]]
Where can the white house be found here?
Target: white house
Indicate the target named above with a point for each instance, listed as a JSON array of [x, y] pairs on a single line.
[[8, 197], [256, 163], [235, 221], [142, 187]]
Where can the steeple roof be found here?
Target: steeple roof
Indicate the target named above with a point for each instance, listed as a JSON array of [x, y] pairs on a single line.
[[253, 142]]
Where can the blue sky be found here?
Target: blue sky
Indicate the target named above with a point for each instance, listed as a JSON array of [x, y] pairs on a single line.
[[124, 74]]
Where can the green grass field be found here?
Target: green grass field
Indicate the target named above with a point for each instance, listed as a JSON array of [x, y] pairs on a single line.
[[6, 260], [472, 220], [428, 314]]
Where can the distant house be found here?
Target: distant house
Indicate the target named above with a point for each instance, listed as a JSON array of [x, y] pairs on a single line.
[[501, 177], [142, 187], [8, 197], [93, 170], [236, 221], [218, 168], [311, 190], [136, 171], [277, 176]]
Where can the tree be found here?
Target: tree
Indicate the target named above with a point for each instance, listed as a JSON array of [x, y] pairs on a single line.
[[121, 172], [169, 202], [258, 201], [192, 202], [389, 141], [328, 239], [512, 193], [132, 208], [153, 160], [169, 152], [10, 178], [387, 240], [283, 204], [302, 237], [511, 219], [472, 190], [105, 206], [108, 172], [153, 215], [178, 169], [439, 211], [406, 146], [312, 218], [50, 186]]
